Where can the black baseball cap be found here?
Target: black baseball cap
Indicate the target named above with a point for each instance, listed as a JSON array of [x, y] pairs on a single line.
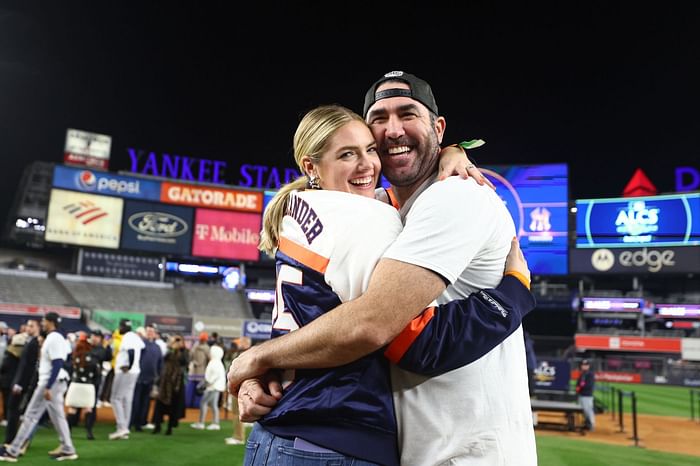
[[419, 90], [585, 362], [53, 317], [96, 331]]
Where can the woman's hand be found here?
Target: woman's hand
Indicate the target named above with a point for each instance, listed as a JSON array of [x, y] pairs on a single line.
[[453, 161], [515, 261]]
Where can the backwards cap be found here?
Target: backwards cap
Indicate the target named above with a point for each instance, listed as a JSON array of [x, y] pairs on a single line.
[[419, 90]]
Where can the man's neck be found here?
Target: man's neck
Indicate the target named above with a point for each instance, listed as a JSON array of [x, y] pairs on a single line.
[[404, 193]]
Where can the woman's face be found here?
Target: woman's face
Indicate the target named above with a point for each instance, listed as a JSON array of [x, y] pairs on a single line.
[[351, 163]]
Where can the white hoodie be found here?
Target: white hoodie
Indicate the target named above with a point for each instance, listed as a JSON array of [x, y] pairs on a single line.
[[215, 374]]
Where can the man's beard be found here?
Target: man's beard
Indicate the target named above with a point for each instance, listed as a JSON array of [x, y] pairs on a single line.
[[424, 163]]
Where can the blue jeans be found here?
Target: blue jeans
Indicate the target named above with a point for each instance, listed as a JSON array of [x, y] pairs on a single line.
[[266, 449]]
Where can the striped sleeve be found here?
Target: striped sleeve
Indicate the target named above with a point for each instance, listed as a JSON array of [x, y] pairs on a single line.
[[458, 333]]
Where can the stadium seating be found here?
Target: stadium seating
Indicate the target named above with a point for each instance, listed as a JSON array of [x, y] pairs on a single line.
[[158, 298]]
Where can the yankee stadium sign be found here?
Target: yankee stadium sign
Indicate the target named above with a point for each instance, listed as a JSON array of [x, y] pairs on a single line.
[[208, 171]]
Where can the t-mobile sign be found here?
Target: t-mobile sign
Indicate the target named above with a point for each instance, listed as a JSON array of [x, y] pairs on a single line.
[[226, 235]]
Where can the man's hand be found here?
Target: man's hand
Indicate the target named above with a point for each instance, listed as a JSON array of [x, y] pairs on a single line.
[[246, 366], [254, 400], [515, 261], [47, 394]]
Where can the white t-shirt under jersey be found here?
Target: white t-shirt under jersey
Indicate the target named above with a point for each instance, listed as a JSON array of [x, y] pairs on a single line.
[[478, 414]]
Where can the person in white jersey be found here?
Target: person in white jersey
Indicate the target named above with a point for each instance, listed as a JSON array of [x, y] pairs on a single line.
[[126, 374], [48, 395], [455, 240]]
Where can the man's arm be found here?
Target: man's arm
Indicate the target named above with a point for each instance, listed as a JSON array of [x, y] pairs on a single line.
[[350, 331], [458, 333]]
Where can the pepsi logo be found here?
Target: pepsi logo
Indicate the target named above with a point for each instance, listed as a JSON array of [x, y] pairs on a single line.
[[86, 180]]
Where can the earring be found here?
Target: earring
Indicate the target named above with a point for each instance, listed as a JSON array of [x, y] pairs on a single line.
[[313, 182]]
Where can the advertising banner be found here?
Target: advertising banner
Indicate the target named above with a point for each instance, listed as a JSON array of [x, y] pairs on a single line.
[[553, 374], [679, 311], [109, 184], [225, 327], [628, 343], [596, 304], [87, 149], [652, 221], [215, 198], [38, 310], [690, 349], [156, 227], [257, 329], [171, 324], [84, 219], [119, 265], [226, 235], [110, 319], [664, 260]]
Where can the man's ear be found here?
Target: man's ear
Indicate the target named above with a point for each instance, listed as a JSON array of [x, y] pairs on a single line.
[[440, 125]]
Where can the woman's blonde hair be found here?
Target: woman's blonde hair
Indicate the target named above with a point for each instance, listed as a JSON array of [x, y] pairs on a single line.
[[310, 139]]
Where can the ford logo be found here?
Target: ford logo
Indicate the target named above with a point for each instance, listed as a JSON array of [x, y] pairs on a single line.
[[158, 224]]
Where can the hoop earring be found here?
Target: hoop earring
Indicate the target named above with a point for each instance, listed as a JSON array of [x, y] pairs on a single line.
[[314, 183]]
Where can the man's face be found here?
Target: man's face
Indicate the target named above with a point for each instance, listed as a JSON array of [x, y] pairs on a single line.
[[32, 328], [46, 325], [95, 340], [150, 333], [408, 143]]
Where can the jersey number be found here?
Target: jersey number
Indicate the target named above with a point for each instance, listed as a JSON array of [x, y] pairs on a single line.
[[282, 319]]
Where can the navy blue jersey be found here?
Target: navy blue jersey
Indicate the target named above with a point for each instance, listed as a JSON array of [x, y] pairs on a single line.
[[324, 259]]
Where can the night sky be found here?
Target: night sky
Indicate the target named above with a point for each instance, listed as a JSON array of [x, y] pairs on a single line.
[[603, 86]]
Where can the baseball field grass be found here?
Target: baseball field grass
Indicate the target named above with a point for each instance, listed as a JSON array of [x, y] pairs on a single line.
[[659, 400], [190, 447]]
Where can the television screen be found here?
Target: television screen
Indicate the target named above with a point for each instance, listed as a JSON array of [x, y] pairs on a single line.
[[656, 221], [537, 198]]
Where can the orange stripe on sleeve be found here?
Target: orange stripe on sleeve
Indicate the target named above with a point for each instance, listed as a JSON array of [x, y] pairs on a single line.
[[303, 255], [523, 279], [398, 347]]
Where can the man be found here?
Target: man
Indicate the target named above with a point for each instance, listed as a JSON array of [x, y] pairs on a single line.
[[477, 412], [584, 387], [126, 373], [48, 396], [151, 366], [21, 383]]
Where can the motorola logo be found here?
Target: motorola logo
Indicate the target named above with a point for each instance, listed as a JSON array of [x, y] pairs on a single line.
[[653, 258], [603, 260]]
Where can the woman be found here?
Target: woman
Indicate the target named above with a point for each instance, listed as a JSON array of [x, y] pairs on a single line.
[[171, 389], [86, 370], [328, 232]]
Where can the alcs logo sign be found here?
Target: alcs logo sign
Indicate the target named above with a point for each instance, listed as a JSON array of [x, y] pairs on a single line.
[[654, 259]]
